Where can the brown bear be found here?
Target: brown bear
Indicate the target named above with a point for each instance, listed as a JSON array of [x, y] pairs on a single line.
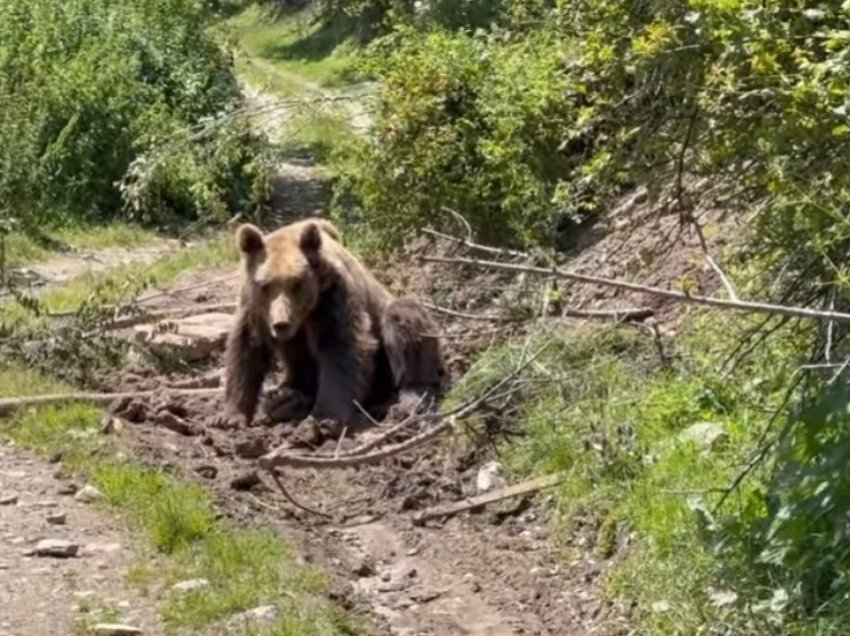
[[341, 335]]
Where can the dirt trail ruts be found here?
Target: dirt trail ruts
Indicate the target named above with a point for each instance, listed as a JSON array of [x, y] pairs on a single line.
[[490, 573], [51, 595]]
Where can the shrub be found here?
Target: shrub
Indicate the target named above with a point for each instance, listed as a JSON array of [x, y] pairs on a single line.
[[90, 88]]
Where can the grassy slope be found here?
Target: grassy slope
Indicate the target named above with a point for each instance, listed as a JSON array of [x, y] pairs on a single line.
[[613, 422]]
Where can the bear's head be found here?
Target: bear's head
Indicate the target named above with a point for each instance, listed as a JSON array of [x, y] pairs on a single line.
[[285, 273]]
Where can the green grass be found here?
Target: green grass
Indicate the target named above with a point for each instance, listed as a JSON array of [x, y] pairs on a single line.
[[246, 567], [612, 423], [22, 249], [292, 52]]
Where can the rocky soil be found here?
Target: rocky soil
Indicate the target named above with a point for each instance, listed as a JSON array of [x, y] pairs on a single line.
[[62, 560]]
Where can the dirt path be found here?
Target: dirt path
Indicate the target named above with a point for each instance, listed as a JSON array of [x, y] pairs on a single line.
[[61, 268], [53, 595], [496, 572]]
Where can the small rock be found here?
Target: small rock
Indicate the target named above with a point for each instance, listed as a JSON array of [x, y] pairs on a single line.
[[245, 481], [57, 518], [489, 477], [67, 489], [386, 577], [251, 448], [102, 548], [115, 629], [8, 500], [111, 424], [192, 585], [167, 419], [426, 596], [88, 494], [56, 548], [365, 569], [661, 607], [206, 471], [707, 435], [263, 614]]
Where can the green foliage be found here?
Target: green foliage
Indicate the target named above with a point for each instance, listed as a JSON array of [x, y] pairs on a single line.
[[553, 109], [602, 407], [95, 94], [464, 125]]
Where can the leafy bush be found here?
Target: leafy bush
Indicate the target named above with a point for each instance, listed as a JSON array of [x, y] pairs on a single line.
[[90, 89], [467, 126], [558, 106]]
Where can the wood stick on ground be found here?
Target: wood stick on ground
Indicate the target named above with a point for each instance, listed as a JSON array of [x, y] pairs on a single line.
[[517, 490], [207, 381], [144, 299], [8, 405], [282, 457], [740, 305], [125, 322], [627, 314], [279, 457], [291, 499]]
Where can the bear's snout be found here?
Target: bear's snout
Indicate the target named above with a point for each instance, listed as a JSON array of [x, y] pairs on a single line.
[[282, 328]]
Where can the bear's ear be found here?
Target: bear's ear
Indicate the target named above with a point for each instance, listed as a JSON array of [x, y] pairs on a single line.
[[311, 242], [249, 239]]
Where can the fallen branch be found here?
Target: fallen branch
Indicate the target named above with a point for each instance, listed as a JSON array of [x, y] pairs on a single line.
[[292, 499], [730, 289], [207, 381], [144, 299], [517, 490], [635, 314], [279, 457], [620, 315], [8, 405], [739, 305], [125, 322]]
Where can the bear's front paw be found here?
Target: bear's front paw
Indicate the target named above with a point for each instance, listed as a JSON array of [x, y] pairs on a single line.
[[287, 405], [227, 421]]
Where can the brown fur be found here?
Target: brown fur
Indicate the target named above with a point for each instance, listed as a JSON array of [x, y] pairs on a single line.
[[340, 334]]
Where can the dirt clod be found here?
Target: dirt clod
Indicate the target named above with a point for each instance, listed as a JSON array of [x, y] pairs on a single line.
[[251, 448], [207, 471], [245, 481], [172, 422]]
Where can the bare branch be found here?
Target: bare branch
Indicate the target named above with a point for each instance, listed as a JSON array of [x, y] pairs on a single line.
[[739, 305], [517, 490], [281, 457], [8, 405]]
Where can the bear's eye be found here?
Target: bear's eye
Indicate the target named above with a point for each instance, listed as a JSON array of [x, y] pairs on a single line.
[[297, 286], [267, 287]]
